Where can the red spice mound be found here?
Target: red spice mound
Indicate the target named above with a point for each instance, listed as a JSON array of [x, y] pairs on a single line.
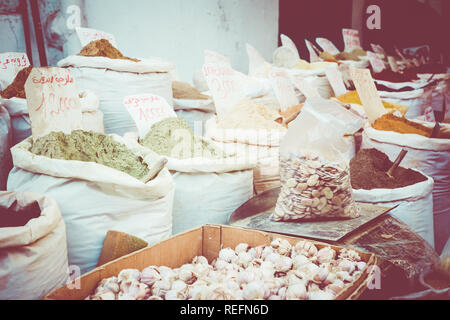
[[103, 48], [368, 170], [17, 87]]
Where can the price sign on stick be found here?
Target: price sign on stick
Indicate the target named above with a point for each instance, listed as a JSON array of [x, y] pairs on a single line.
[[256, 65], [224, 83], [283, 88], [313, 52], [52, 100], [378, 49], [87, 35], [375, 61], [334, 77], [147, 109], [368, 93], [10, 64], [287, 42], [351, 39], [327, 46]]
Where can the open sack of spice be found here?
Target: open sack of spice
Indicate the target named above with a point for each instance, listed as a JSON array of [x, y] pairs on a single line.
[[315, 177], [112, 183]]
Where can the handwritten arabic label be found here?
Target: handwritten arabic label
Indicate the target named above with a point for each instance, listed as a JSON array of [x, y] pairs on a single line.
[[10, 64], [223, 82], [327, 46], [147, 109], [378, 49], [87, 35], [53, 101], [351, 39], [368, 93], [283, 88], [313, 56], [375, 61]]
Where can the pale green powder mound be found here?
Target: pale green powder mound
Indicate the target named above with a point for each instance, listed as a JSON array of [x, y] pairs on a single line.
[[174, 138], [90, 147]]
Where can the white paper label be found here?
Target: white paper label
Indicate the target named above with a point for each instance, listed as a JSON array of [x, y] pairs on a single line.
[[10, 64], [53, 101], [284, 57], [87, 35], [378, 49], [147, 109], [287, 42], [368, 93], [305, 88], [283, 88], [393, 63], [334, 77], [351, 39], [313, 52], [223, 82], [257, 64], [327, 46], [375, 61]]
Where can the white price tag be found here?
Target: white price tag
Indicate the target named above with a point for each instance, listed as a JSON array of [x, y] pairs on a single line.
[[378, 49], [287, 42], [368, 93], [313, 52], [392, 63], [334, 77], [257, 66], [87, 35], [224, 83], [53, 101], [10, 64], [283, 88], [327, 46], [351, 39], [375, 61], [147, 109]]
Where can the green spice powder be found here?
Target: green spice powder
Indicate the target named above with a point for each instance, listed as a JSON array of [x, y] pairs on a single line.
[[90, 147], [174, 138]]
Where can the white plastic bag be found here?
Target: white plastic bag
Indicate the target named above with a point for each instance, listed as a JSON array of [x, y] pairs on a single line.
[[415, 205], [416, 100], [5, 142], [431, 156], [94, 199], [315, 179], [33, 259]]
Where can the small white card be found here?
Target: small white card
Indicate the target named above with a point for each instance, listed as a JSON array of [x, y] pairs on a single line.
[[87, 35], [351, 39], [327, 45], [10, 64]]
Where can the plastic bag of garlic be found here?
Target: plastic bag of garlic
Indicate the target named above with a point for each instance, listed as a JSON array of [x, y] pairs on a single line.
[[314, 174], [276, 272]]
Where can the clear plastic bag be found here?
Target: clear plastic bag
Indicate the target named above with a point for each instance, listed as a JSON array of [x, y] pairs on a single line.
[[315, 179]]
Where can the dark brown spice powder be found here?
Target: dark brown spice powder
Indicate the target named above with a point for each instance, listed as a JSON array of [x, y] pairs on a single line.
[[103, 48], [17, 87], [368, 170]]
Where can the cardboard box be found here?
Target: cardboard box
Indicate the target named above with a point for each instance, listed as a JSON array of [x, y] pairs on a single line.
[[206, 240]]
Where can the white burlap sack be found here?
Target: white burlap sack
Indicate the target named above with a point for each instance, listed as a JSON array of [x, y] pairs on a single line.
[[33, 257], [416, 100], [195, 112], [415, 205], [113, 79], [5, 141], [94, 199], [432, 157]]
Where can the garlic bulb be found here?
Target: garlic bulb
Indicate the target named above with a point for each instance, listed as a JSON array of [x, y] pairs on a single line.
[[243, 259], [325, 255], [281, 246], [241, 247], [227, 255], [253, 290], [349, 254], [266, 252], [186, 275], [321, 295], [178, 285], [104, 295], [174, 295], [129, 274], [299, 260], [283, 264], [161, 287], [346, 265], [199, 260], [296, 291], [167, 273], [150, 275], [360, 265], [320, 275], [134, 289], [154, 298], [304, 247]]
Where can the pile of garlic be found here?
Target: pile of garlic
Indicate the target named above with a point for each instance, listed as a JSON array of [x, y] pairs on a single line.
[[275, 272]]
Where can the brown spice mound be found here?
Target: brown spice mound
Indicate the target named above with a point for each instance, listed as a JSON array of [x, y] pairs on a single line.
[[390, 122], [17, 87], [103, 48], [183, 90], [437, 280], [368, 171]]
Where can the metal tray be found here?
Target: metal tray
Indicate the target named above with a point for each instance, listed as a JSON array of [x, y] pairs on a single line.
[[254, 214]]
